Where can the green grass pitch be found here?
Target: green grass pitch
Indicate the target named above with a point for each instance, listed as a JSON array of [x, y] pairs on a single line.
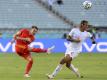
[[91, 66]]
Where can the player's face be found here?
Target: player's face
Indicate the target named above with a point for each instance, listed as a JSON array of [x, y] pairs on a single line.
[[34, 31], [84, 26]]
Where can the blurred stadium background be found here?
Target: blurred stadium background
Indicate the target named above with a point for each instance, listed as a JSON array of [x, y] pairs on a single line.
[[55, 21], [16, 14]]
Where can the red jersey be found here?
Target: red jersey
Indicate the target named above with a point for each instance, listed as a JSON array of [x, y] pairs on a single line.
[[25, 33]]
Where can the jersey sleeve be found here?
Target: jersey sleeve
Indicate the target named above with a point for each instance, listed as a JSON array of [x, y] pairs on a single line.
[[72, 32], [24, 32], [89, 34], [32, 38]]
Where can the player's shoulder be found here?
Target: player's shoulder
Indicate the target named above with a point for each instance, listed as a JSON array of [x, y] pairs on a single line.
[[87, 32], [75, 29], [24, 30]]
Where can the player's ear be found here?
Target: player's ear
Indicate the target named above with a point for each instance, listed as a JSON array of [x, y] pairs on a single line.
[[82, 24]]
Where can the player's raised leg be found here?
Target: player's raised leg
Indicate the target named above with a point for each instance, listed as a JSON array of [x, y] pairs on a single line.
[[39, 50]]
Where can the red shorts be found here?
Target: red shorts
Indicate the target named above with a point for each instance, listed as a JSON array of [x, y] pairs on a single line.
[[22, 50]]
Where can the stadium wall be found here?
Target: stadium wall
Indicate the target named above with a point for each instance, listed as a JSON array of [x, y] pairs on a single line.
[[60, 45]]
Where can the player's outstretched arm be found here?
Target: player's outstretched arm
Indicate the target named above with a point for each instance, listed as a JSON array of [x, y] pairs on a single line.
[[15, 37]]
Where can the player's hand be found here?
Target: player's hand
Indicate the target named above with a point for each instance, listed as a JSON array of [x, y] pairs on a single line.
[[12, 41], [77, 40], [27, 39]]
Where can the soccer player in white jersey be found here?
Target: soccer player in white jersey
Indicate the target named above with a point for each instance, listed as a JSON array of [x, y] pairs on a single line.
[[76, 38]]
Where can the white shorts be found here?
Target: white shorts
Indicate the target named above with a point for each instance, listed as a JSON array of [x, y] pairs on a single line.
[[72, 53]]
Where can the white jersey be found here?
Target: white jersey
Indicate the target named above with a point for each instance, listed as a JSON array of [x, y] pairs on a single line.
[[76, 33], [51, 2]]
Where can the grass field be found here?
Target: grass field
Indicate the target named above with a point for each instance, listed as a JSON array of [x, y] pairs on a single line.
[[91, 66]]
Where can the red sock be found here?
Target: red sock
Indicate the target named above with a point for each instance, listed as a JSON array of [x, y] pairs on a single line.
[[38, 50], [28, 67]]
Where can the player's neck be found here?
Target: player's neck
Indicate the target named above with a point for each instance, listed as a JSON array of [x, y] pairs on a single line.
[[81, 30], [31, 32]]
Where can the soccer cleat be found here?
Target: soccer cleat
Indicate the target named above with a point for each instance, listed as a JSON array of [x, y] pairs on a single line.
[[50, 76], [27, 75], [50, 49]]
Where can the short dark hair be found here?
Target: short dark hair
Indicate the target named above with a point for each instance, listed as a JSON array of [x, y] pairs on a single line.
[[84, 21], [35, 27]]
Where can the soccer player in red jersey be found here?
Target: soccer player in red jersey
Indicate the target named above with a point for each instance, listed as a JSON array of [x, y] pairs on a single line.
[[23, 38]]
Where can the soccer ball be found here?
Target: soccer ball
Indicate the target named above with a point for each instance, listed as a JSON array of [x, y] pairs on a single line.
[[87, 5]]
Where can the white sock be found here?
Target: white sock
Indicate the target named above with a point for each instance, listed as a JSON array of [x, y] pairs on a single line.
[[72, 67], [58, 68], [74, 70]]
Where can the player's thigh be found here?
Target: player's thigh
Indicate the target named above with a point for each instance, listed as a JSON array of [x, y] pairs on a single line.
[[68, 58], [25, 54], [65, 59], [68, 55], [19, 50]]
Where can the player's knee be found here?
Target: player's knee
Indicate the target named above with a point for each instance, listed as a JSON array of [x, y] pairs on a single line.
[[67, 57], [62, 61], [31, 61]]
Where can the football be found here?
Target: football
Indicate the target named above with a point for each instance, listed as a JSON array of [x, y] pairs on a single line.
[[87, 5]]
